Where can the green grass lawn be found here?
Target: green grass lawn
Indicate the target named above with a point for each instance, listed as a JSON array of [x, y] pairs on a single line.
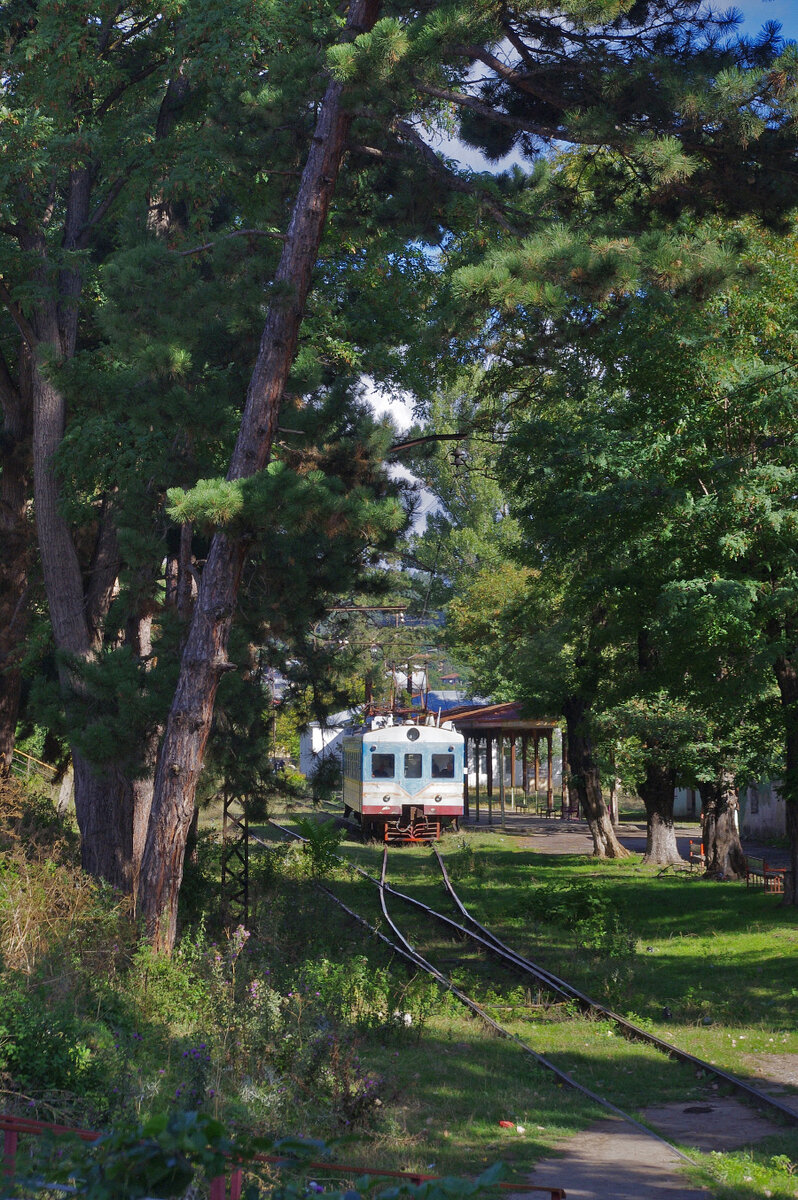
[[713, 970]]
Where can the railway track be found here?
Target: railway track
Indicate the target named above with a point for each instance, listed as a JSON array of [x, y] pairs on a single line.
[[479, 935]]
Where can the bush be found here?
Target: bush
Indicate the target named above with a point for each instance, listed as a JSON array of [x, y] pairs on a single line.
[[30, 823], [41, 1047], [322, 840], [55, 914], [202, 875], [166, 1155], [464, 863], [597, 920], [325, 779]]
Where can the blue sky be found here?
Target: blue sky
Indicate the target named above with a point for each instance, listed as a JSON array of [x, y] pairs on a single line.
[[756, 12]]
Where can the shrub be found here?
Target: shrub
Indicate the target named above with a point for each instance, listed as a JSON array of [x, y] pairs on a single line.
[[42, 1047], [325, 779], [202, 875], [52, 912], [31, 825], [464, 863], [322, 840], [597, 920]]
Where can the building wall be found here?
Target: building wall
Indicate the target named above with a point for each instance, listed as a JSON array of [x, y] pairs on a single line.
[[316, 743], [687, 804], [763, 812]]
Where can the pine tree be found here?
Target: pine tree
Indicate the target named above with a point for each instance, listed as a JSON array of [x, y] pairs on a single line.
[[122, 140]]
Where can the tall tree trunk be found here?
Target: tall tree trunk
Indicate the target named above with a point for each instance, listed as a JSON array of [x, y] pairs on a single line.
[[584, 773], [204, 657], [15, 543], [656, 792], [725, 857], [787, 676], [657, 789], [104, 800]]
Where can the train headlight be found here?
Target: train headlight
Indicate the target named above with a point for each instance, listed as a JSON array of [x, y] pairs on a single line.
[[386, 799], [438, 799]]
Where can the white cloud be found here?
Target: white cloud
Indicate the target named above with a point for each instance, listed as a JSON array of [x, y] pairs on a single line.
[[396, 405]]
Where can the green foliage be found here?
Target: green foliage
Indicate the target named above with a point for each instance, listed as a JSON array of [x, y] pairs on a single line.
[[160, 1156], [325, 779], [465, 862], [165, 1154], [597, 919], [322, 840], [201, 876], [45, 1049]]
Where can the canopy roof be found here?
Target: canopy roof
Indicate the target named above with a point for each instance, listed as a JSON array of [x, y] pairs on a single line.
[[506, 719]]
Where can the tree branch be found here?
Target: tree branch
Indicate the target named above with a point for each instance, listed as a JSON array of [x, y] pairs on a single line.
[[9, 392], [22, 324], [464, 100], [103, 573], [120, 89], [99, 212], [453, 181], [236, 233], [459, 436]]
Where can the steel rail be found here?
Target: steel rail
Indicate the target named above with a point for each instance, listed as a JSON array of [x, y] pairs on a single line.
[[553, 983], [627, 1027], [476, 1008], [406, 951]]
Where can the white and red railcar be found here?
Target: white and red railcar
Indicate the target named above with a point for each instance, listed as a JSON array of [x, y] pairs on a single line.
[[403, 782]]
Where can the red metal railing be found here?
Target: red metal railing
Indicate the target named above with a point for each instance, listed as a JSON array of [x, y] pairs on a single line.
[[220, 1189]]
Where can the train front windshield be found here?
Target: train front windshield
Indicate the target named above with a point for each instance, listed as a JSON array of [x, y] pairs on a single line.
[[443, 766], [383, 766], [413, 766]]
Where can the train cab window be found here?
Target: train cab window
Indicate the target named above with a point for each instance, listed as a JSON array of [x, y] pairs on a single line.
[[443, 766], [382, 766], [412, 766]]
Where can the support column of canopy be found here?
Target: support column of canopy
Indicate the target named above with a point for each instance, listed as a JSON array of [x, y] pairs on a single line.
[[465, 778], [478, 743], [489, 765], [502, 774], [549, 781]]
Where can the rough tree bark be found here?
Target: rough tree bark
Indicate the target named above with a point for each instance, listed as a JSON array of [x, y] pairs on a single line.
[[657, 789], [786, 670], [15, 542], [584, 774], [112, 807], [204, 657], [656, 792], [105, 801], [725, 857]]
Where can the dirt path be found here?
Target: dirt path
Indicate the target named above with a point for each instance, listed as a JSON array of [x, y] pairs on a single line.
[[550, 835], [615, 1161]]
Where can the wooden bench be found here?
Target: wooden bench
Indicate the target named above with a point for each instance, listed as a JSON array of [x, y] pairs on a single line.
[[760, 873], [697, 857]]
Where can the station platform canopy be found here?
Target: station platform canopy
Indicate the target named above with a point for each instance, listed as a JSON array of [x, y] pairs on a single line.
[[511, 756], [491, 718]]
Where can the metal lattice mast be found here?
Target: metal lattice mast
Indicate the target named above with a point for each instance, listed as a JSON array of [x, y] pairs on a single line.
[[235, 862]]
